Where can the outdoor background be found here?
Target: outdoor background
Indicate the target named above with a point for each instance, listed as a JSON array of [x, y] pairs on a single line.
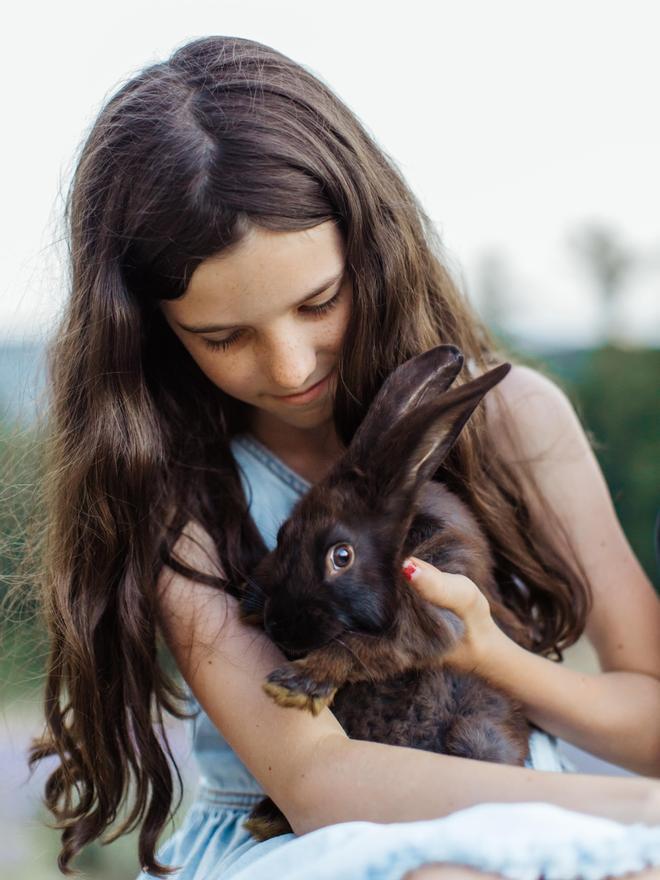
[[530, 133]]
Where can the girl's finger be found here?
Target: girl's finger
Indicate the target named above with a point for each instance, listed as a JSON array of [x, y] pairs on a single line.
[[439, 587]]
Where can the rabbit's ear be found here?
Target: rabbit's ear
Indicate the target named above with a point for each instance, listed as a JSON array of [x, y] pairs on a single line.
[[410, 452], [420, 379]]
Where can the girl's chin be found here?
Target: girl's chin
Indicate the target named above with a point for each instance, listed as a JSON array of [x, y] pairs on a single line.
[[296, 418], [305, 419]]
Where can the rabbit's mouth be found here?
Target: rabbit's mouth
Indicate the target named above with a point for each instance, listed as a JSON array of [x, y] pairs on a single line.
[[296, 648], [295, 645]]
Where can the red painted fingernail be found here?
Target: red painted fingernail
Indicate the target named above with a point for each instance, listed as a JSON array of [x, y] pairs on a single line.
[[409, 569]]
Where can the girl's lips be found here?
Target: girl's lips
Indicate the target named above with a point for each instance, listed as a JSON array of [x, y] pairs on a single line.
[[311, 393]]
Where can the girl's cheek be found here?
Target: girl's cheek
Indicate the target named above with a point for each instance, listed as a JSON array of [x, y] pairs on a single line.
[[225, 371], [235, 382], [333, 335]]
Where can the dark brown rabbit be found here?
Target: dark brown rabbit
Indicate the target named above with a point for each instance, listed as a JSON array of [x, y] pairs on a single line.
[[332, 596]]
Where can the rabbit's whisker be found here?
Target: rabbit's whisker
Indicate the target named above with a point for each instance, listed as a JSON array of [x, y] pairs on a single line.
[[255, 585], [350, 651], [365, 636]]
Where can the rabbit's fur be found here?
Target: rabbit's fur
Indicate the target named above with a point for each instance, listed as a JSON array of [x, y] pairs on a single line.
[[332, 595]]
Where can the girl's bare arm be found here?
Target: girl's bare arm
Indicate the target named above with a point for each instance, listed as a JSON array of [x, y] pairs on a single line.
[[613, 714], [225, 663], [352, 780], [311, 769]]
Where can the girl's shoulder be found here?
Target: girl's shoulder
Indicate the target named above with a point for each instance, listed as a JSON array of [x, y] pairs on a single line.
[[527, 413]]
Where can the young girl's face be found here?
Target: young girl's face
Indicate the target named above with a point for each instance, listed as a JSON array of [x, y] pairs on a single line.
[[266, 318]]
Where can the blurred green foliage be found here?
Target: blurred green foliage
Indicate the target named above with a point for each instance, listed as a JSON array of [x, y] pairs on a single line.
[[22, 637], [18, 467]]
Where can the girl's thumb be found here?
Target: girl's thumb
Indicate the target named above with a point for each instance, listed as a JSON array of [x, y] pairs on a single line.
[[438, 587]]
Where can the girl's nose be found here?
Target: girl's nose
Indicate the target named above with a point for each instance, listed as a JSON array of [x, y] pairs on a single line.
[[291, 364]]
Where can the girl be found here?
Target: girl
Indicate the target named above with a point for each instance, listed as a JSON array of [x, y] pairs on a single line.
[[247, 267]]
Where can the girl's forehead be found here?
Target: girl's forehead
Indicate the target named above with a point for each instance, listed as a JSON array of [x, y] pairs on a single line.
[[267, 252], [265, 265]]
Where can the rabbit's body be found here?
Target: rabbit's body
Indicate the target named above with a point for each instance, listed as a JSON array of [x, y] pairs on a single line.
[[435, 708], [332, 596]]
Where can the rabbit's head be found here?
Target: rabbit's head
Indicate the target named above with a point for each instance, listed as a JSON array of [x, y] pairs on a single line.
[[336, 566]]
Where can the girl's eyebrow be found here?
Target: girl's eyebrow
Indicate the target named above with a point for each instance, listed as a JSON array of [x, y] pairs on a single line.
[[211, 328]]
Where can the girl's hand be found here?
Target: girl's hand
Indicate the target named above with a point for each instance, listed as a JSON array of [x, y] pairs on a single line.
[[462, 596]]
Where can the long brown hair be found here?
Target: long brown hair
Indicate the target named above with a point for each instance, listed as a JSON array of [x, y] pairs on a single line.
[[225, 134]]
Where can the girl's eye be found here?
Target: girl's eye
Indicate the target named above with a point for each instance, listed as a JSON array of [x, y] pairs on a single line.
[[216, 344], [222, 344]]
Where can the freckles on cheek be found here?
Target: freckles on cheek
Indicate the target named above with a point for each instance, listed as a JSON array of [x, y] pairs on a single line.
[[233, 382]]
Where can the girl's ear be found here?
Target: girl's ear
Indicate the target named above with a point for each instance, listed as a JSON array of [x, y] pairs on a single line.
[[410, 451]]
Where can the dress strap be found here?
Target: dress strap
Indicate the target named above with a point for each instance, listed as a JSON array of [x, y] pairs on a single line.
[[267, 458]]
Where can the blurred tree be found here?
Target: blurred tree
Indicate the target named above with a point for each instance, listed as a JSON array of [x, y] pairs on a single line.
[[493, 287], [608, 262]]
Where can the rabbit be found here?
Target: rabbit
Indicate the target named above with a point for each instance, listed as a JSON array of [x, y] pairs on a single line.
[[332, 596]]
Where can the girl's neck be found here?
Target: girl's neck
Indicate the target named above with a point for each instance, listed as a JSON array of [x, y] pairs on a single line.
[[310, 452]]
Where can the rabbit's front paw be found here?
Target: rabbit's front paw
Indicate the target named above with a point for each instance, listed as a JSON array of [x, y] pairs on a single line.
[[290, 686]]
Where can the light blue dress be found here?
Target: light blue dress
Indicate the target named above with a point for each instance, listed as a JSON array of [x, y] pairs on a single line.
[[521, 841]]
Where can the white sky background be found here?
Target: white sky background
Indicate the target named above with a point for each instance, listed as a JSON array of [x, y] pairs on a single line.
[[514, 121]]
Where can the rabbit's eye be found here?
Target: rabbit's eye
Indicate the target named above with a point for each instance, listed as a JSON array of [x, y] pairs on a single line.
[[339, 558]]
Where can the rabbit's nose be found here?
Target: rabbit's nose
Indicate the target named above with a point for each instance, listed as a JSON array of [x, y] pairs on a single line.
[[282, 636]]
